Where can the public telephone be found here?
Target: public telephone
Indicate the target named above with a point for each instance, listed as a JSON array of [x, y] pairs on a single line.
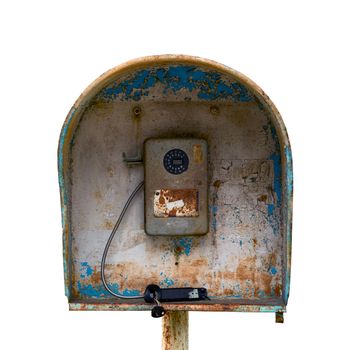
[[196, 159], [176, 203], [176, 198]]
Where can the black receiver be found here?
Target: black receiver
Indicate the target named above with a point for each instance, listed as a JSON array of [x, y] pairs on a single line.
[[155, 294]]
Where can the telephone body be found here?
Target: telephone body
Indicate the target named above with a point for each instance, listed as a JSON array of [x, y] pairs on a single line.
[[176, 186]]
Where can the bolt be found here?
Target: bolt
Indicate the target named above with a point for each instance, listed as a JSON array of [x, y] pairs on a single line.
[[137, 111]]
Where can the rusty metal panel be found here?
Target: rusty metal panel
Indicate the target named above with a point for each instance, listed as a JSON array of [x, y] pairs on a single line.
[[175, 203], [175, 330], [244, 260], [236, 305], [176, 186]]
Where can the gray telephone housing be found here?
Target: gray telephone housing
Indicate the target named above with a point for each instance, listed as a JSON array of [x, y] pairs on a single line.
[[176, 186]]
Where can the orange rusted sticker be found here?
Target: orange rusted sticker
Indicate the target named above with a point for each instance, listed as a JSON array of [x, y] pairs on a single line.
[[197, 154], [175, 203]]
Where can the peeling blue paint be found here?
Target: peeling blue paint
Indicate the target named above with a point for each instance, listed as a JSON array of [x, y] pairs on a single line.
[[183, 245], [89, 290], [85, 269], [98, 291], [277, 180], [166, 282], [277, 165], [288, 154], [272, 270], [214, 210], [261, 293], [277, 177], [209, 84], [270, 209], [289, 190]]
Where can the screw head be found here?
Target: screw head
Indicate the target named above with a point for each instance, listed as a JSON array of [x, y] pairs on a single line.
[[137, 111]]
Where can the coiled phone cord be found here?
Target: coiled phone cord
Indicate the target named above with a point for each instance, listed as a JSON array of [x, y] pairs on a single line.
[[105, 252]]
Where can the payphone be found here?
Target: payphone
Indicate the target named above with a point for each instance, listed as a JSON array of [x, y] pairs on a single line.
[[202, 219], [176, 204], [176, 186]]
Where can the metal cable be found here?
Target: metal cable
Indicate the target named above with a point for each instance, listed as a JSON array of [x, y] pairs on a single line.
[[105, 252]]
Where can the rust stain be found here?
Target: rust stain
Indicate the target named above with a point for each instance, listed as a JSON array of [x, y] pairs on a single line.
[[176, 203], [98, 195], [262, 198], [247, 270], [161, 200], [110, 171], [119, 274], [108, 207], [174, 212], [95, 278], [108, 225], [175, 330], [251, 280], [202, 262], [178, 250], [238, 306], [136, 119], [217, 183], [197, 154], [278, 290], [100, 108], [272, 259], [74, 290]]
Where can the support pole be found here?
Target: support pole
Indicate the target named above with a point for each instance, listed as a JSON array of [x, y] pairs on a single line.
[[175, 330]]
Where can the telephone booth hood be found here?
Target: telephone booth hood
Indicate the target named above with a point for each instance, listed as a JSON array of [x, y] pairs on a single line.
[[244, 260]]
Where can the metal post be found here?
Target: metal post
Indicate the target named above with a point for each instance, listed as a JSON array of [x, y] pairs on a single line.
[[175, 330]]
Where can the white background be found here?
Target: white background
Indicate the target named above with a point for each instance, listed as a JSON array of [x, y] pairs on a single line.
[[297, 51]]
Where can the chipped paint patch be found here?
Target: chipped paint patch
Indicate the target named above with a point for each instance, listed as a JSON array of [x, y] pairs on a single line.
[[166, 282], [270, 209], [98, 290], [182, 246], [288, 209], [237, 306], [214, 210], [85, 270], [277, 173], [273, 270], [288, 155], [210, 85]]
